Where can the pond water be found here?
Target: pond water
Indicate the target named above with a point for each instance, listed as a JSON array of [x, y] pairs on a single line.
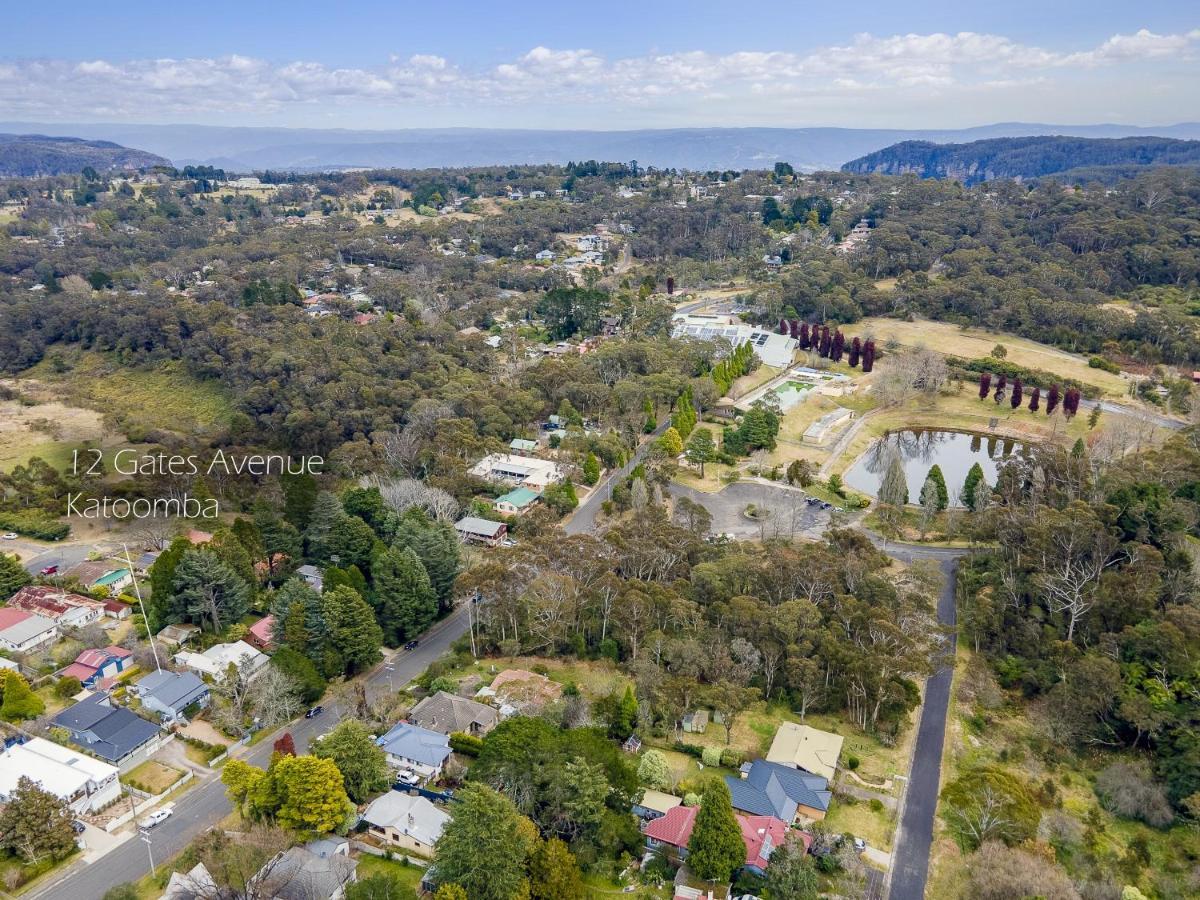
[[921, 448], [790, 393]]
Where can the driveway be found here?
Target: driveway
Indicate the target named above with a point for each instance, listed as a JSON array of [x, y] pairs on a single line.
[[789, 513], [583, 520]]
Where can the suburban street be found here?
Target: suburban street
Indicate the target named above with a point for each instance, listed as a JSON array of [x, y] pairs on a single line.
[[199, 809], [584, 518]]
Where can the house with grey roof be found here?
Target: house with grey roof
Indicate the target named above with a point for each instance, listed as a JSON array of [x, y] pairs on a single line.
[[408, 821], [300, 874], [170, 693], [446, 713], [112, 733], [771, 789], [412, 747]]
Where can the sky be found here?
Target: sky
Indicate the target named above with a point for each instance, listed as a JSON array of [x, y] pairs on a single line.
[[611, 65]]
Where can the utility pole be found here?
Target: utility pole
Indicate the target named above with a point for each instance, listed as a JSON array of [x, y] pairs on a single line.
[[142, 606]]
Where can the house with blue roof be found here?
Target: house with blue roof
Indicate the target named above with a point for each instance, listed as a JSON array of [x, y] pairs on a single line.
[[771, 789], [413, 747], [170, 693], [112, 733]]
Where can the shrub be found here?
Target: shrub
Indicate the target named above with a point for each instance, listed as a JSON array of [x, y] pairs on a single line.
[[876, 804], [711, 756], [731, 758], [1099, 362], [35, 525], [853, 762], [691, 799], [67, 686], [466, 744], [1128, 790], [690, 749]]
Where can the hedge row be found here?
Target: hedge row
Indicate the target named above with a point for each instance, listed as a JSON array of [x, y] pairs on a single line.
[[969, 368], [34, 525]]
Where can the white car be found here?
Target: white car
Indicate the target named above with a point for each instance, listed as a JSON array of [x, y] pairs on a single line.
[[408, 776], [157, 817], [11, 536]]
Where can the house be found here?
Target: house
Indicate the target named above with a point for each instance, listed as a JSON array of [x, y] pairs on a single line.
[[67, 610], [521, 690], [177, 635], [445, 713], [772, 348], [216, 660], [519, 470], [313, 577], [770, 789], [610, 325], [115, 609], [95, 575], [669, 834], [805, 747], [93, 667], [522, 446], [590, 243], [412, 747], [544, 255], [824, 428], [259, 634], [408, 821], [22, 631], [772, 261], [170, 693], [516, 501], [655, 805], [695, 722], [196, 884], [481, 531], [537, 195], [300, 874], [143, 563], [85, 784], [114, 734]]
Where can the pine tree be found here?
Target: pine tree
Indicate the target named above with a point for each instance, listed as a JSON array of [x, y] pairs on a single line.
[[624, 717], [35, 824], [826, 342], [554, 874], [13, 576], [299, 498], [794, 329], [651, 422], [20, 702], [868, 362], [438, 547], [973, 482], [326, 513], [591, 468], [352, 629], [943, 494], [405, 602], [716, 849], [700, 448], [1052, 399], [162, 583], [208, 592], [362, 762], [839, 344], [805, 340], [893, 490], [480, 849]]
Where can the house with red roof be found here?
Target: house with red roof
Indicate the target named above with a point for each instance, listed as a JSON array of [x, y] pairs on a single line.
[[259, 635], [669, 835], [23, 632], [99, 667], [62, 607]]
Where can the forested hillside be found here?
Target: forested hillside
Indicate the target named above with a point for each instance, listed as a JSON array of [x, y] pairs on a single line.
[[1027, 157], [37, 154]]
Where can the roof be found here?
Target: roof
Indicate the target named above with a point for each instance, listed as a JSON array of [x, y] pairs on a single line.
[[771, 789], [806, 748], [50, 600], [118, 731], [10, 616], [674, 828], [262, 628], [97, 658], [60, 770], [476, 525], [519, 497], [410, 814], [21, 625], [172, 689], [429, 748], [760, 834], [522, 444], [300, 874], [79, 670], [196, 884], [659, 801], [446, 713]]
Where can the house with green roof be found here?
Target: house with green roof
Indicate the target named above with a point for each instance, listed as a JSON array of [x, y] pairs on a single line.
[[522, 445], [516, 501]]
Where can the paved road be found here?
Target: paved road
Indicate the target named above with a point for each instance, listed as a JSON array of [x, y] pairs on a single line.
[[584, 519], [62, 555], [204, 806], [914, 836]]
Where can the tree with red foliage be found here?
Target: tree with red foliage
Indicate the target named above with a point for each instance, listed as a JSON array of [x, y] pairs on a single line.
[[1017, 394], [1071, 402], [1034, 399], [1001, 384], [826, 342], [985, 385], [839, 346], [1052, 399], [805, 341], [285, 746], [670, 284], [855, 352], [868, 360], [783, 326], [794, 329]]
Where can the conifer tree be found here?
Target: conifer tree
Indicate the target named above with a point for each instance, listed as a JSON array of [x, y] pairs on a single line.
[[985, 385], [716, 849]]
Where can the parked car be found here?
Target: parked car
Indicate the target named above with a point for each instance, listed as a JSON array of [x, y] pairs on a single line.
[[860, 845], [314, 712], [49, 570], [157, 817], [408, 777], [826, 506], [77, 826], [411, 645], [11, 536]]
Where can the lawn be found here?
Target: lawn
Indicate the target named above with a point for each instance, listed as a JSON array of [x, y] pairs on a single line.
[[747, 383], [975, 343], [409, 876], [153, 777], [598, 884], [849, 815], [47, 430]]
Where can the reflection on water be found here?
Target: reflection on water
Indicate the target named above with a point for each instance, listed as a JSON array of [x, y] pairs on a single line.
[[920, 448]]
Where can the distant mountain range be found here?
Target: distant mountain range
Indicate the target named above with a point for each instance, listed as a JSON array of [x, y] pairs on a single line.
[[1027, 157], [807, 149], [39, 154]]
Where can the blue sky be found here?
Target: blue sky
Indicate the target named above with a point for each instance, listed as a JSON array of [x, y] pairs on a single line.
[[602, 65]]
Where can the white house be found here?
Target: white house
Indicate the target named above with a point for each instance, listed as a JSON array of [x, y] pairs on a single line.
[[84, 782], [772, 348], [537, 474], [406, 820], [544, 255], [216, 660], [820, 431], [413, 747], [22, 631]]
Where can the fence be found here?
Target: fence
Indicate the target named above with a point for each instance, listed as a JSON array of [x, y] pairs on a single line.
[[147, 801], [221, 757]]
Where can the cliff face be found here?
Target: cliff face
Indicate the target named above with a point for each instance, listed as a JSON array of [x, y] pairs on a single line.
[[23, 155], [1028, 157]]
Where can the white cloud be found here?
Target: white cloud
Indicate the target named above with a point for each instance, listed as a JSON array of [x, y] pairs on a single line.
[[697, 84]]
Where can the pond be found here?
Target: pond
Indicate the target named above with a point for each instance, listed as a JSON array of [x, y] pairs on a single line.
[[921, 448]]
